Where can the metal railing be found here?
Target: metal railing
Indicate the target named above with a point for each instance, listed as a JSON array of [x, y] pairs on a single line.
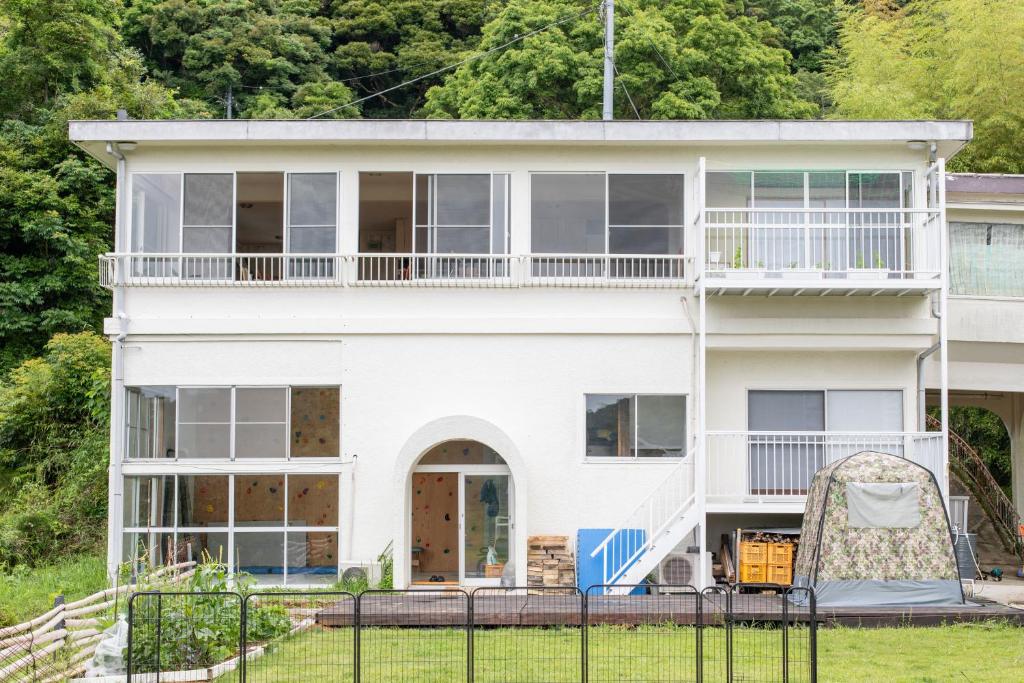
[[835, 244], [393, 270], [644, 526], [773, 465], [747, 632], [972, 471]]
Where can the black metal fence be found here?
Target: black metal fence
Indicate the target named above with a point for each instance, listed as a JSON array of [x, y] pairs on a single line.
[[652, 633]]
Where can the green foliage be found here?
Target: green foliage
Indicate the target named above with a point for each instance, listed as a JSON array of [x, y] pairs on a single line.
[[939, 59], [27, 592], [202, 628], [687, 59], [986, 433], [53, 450]]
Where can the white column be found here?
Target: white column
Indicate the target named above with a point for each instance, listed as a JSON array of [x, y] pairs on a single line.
[[1015, 427], [944, 321]]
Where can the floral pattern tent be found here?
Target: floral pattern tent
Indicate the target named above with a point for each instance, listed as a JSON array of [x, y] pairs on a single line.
[[857, 565]]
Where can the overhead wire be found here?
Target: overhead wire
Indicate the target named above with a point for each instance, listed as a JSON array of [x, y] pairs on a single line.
[[461, 62]]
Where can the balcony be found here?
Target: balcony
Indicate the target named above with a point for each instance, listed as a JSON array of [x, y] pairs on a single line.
[[821, 251], [777, 467], [487, 271]]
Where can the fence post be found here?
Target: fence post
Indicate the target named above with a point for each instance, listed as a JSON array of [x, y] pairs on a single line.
[[785, 637], [356, 617], [131, 615], [728, 635], [243, 638], [159, 620], [470, 660], [584, 640], [814, 635], [699, 615]]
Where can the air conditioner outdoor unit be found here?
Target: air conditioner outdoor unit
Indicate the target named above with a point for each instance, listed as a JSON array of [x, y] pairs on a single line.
[[354, 571], [680, 569]]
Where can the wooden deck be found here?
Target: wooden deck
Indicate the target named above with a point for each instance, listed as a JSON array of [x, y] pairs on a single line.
[[498, 609]]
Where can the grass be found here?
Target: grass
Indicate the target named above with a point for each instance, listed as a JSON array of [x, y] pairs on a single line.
[[27, 593], [992, 652]]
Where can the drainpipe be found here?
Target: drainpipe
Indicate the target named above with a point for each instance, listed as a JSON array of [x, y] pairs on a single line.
[[693, 366], [920, 372], [114, 479]]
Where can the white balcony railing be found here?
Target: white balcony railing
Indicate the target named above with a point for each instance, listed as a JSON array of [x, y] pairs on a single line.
[[774, 465], [394, 270], [833, 244]]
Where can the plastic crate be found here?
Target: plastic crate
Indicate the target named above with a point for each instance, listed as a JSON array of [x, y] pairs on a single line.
[[752, 552], [753, 573], [780, 573], [780, 553]]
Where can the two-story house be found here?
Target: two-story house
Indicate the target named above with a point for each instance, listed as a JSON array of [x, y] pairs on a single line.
[[452, 336]]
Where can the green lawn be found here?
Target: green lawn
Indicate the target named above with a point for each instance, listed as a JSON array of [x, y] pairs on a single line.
[[982, 652], [25, 594]]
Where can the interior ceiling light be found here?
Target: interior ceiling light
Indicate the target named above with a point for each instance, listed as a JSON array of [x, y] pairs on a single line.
[[917, 145]]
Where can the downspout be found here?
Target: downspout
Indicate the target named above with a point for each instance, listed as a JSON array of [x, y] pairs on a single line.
[[114, 478]]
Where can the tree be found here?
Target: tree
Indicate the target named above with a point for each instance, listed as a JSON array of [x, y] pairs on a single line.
[[56, 206], [947, 59], [686, 59], [262, 50], [380, 44]]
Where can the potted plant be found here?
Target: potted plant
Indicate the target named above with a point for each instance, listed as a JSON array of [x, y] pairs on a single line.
[[738, 271], [861, 272]]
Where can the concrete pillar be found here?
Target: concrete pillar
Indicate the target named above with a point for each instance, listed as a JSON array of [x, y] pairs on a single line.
[[1014, 419]]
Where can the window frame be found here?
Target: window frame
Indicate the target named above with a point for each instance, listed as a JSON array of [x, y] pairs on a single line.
[[607, 211], [231, 529], [634, 397], [431, 225], [900, 172], [824, 392], [232, 424]]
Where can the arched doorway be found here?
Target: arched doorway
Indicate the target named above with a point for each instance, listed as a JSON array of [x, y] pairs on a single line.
[[462, 498]]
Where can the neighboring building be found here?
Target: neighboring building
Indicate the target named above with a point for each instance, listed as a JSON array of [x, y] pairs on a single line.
[[449, 336]]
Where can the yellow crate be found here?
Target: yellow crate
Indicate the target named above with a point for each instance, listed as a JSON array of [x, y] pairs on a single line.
[[753, 573], [780, 553], [752, 552], [780, 573]]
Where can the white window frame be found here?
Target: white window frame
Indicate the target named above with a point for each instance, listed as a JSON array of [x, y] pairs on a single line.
[[431, 225], [607, 207], [232, 424], [176, 530], [616, 459]]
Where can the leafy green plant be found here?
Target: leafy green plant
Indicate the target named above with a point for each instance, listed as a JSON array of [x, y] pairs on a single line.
[[737, 258]]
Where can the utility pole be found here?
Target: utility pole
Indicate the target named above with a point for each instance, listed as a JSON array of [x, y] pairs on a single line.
[[230, 101], [609, 63]]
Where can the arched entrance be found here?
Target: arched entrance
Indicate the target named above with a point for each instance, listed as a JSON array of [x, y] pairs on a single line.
[[445, 430], [461, 496]]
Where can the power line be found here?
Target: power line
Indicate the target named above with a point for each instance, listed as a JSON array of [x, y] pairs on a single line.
[[626, 90], [655, 48], [456, 65]]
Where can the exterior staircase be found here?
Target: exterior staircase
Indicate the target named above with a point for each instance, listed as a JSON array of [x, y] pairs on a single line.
[[655, 527], [970, 469]]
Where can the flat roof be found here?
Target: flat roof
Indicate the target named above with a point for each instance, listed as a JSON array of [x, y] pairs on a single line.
[[985, 183], [92, 136]]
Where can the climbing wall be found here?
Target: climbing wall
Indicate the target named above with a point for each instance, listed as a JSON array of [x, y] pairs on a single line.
[[435, 520]]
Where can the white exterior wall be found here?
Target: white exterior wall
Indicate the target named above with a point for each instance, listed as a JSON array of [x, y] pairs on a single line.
[[517, 361]]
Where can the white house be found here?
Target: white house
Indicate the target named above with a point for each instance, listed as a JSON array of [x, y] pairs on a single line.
[[452, 336]]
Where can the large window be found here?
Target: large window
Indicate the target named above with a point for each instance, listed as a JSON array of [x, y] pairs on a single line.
[[232, 422], [796, 433], [279, 528], [809, 189], [986, 259], [461, 213], [636, 425], [200, 216], [606, 213]]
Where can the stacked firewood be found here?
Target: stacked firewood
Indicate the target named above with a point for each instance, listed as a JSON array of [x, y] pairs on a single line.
[[549, 562]]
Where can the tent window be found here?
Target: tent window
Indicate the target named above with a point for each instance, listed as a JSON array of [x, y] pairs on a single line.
[[883, 505]]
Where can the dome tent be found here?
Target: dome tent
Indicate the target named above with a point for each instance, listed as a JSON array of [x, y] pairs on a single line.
[[876, 532]]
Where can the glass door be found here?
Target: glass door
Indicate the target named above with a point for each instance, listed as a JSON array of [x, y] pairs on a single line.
[[486, 522]]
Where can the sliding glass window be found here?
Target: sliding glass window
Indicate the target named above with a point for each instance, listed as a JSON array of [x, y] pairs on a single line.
[[224, 423], [636, 425], [312, 223], [278, 528]]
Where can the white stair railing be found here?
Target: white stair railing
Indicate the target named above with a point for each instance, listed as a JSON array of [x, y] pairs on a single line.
[[639, 533]]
